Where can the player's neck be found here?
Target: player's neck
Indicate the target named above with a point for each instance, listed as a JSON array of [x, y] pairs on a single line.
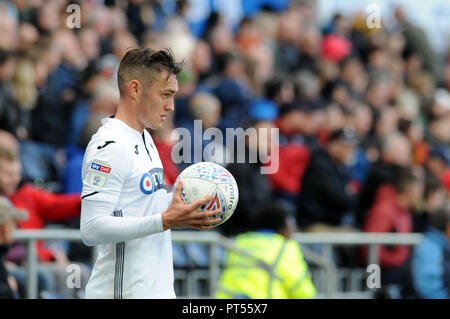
[[129, 117]]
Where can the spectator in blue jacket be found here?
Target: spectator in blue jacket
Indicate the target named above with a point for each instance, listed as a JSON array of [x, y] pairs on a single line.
[[431, 259]]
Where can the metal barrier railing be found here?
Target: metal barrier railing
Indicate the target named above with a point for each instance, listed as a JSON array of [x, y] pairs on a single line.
[[214, 240]]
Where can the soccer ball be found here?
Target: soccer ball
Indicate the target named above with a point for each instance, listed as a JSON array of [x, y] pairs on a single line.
[[207, 178]]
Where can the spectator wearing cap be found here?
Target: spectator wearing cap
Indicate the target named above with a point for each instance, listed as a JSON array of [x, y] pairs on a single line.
[[8, 217], [325, 200]]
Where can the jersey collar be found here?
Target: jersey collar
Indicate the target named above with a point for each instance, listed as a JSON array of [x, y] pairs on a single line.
[[122, 126]]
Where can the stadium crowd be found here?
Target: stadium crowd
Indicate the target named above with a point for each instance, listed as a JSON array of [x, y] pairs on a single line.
[[363, 115]]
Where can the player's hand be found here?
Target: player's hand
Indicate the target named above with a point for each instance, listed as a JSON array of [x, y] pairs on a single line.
[[181, 215]]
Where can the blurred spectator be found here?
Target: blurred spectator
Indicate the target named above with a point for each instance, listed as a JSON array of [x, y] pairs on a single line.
[[310, 42], [377, 93], [263, 253], [8, 217], [25, 95], [433, 202], [438, 161], [286, 51], [430, 266], [75, 152], [254, 187], [7, 140], [391, 213], [42, 207], [9, 26], [352, 73], [232, 90], [279, 90], [205, 108], [417, 41], [9, 113], [306, 87], [325, 200], [201, 60], [90, 44], [414, 132], [294, 152], [395, 153]]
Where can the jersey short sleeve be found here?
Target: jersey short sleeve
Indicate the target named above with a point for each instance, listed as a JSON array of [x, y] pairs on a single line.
[[105, 169]]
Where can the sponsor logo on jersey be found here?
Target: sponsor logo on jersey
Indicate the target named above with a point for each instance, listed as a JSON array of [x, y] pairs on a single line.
[[101, 168], [98, 174], [152, 181]]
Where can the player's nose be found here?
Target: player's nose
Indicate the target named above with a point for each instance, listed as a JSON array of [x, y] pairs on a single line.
[[170, 107]]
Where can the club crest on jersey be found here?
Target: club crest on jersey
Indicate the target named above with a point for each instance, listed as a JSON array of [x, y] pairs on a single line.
[[152, 181], [98, 174]]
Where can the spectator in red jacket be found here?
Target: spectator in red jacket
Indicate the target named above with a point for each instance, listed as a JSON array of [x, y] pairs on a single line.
[[391, 213], [42, 207], [294, 123]]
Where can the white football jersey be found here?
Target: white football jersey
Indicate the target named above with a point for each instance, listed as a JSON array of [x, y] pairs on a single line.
[[122, 166]]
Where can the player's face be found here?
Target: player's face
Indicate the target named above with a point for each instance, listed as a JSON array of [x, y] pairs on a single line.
[[158, 101]]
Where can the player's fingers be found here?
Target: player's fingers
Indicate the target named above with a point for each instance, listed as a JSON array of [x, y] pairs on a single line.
[[207, 222], [206, 215], [203, 201], [203, 227], [177, 191]]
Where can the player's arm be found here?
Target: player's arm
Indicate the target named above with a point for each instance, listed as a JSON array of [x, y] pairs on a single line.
[[104, 173], [99, 227]]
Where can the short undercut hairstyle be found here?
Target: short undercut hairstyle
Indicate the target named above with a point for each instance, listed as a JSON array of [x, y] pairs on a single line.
[[144, 64]]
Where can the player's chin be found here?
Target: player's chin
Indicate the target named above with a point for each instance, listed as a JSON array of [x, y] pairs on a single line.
[[156, 125], [161, 122]]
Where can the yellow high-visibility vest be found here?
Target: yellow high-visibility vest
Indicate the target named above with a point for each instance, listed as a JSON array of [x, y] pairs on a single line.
[[265, 266]]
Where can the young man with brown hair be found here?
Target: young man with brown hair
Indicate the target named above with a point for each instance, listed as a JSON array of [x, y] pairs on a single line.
[[126, 209]]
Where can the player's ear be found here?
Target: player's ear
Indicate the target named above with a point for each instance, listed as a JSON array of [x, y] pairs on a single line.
[[134, 88]]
